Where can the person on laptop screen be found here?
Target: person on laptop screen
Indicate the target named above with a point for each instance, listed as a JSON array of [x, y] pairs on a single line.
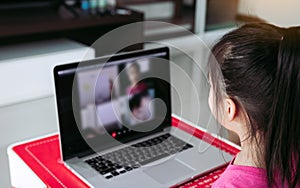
[[134, 75], [139, 94]]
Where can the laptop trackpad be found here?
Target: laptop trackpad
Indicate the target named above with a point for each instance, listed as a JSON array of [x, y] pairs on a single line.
[[168, 171]]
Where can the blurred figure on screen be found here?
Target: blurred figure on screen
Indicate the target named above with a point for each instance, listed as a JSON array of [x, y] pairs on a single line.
[[139, 105], [134, 76]]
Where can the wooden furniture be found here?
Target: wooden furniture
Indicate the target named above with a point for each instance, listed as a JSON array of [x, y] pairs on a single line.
[[184, 15], [178, 4], [29, 25]]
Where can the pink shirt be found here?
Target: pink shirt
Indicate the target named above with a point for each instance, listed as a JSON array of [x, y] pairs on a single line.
[[138, 88], [237, 176]]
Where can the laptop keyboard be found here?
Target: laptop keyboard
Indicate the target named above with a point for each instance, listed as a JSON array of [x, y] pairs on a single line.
[[126, 159]]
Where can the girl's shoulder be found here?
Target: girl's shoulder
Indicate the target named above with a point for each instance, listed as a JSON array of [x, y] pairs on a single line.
[[236, 176]]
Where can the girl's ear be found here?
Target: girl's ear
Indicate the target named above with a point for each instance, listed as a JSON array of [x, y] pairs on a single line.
[[230, 110]]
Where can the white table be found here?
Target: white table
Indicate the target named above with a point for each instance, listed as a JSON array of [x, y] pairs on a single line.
[[22, 122]]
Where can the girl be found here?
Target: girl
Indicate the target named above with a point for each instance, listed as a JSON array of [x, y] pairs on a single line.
[[255, 76]]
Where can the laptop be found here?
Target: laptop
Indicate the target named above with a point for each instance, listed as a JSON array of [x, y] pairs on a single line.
[[114, 117]]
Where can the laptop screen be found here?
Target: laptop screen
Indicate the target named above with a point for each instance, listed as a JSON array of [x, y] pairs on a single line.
[[110, 101]]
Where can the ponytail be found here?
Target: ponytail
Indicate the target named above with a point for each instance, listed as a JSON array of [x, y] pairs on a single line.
[[282, 154]]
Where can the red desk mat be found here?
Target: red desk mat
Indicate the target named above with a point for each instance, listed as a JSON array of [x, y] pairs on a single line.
[[43, 157]]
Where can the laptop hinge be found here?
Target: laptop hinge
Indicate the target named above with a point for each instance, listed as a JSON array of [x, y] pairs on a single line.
[[168, 129]]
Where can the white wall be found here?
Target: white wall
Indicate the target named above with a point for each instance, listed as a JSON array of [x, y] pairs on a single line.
[[279, 12], [26, 69], [192, 104]]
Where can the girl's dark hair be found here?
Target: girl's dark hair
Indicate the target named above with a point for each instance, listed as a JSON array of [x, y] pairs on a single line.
[[258, 66]]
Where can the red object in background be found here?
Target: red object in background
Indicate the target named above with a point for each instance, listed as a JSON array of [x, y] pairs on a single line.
[[51, 170]]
